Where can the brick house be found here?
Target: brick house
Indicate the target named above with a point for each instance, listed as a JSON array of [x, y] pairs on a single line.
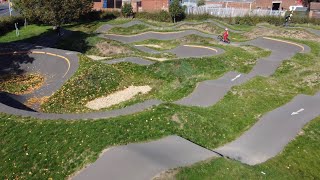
[[137, 5], [256, 4], [314, 10]]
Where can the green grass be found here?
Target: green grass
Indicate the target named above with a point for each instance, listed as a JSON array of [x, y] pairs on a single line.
[[299, 160], [25, 33], [138, 28]]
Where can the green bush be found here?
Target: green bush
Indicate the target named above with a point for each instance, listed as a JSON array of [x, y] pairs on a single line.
[[200, 17], [162, 16], [254, 20], [176, 11], [126, 10], [7, 24], [99, 15]]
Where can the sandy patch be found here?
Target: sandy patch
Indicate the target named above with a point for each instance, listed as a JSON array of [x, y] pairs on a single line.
[[97, 58], [117, 97], [149, 45], [158, 59]]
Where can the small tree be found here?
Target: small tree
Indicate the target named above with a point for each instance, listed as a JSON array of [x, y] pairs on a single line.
[[54, 12], [126, 10], [176, 10], [201, 3]]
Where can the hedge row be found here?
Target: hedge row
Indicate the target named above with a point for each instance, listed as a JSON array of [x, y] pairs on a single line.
[[100, 15], [7, 24], [254, 20], [162, 16]]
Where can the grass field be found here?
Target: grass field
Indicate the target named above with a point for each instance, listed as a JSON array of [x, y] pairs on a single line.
[[25, 33], [34, 149]]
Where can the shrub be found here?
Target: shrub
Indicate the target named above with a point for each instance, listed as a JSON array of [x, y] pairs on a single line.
[[126, 10], [99, 15], [162, 16], [201, 3], [176, 11]]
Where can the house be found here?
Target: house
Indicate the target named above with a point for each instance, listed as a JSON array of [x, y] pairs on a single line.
[[256, 4], [137, 5], [314, 10]]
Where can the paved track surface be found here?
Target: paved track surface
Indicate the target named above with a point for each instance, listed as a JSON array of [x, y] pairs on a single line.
[[145, 160], [273, 131], [208, 93]]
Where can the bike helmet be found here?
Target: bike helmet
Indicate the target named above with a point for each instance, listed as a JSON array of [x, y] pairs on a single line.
[[226, 29]]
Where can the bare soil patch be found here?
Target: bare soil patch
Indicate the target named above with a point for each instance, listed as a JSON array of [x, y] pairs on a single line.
[[107, 48], [117, 97]]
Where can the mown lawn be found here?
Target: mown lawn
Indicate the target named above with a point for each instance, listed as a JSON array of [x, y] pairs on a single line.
[[25, 33]]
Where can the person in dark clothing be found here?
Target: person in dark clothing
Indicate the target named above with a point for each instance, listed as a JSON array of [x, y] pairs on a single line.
[[58, 30], [288, 19]]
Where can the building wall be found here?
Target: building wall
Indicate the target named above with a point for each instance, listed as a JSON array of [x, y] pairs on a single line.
[[263, 4], [267, 4], [97, 5], [154, 5]]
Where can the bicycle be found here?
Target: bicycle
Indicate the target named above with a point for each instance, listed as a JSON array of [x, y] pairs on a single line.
[[220, 38]]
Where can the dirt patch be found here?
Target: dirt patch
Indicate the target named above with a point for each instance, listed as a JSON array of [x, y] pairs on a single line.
[[97, 58], [107, 48], [176, 119], [150, 45], [21, 84], [117, 97], [280, 32]]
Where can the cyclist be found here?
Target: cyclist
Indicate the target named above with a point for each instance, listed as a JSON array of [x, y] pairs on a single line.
[[226, 35], [288, 19]]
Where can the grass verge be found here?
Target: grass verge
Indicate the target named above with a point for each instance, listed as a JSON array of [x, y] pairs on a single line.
[[25, 33]]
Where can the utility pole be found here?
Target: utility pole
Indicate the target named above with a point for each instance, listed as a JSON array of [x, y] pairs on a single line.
[[10, 8]]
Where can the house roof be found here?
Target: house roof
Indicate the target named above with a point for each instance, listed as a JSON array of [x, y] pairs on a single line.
[[314, 6]]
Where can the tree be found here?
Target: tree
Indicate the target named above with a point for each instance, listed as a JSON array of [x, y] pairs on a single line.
[[126, 10], [53, 12], [176, 10], [201, 3]]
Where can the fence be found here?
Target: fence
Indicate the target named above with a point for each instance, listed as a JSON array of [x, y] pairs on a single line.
[[232, 12]]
